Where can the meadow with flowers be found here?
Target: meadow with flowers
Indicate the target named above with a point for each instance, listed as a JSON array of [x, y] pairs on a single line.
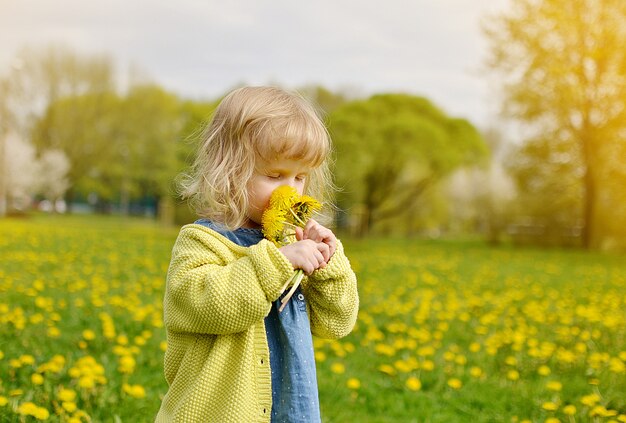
[[447, 331]]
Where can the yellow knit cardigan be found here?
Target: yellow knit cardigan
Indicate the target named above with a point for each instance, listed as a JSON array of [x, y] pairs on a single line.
[[217, 296]]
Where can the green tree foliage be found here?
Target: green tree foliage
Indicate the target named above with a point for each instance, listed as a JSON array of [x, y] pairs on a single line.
[[85, 128], [563, 64], [391, 147], [547, 174]]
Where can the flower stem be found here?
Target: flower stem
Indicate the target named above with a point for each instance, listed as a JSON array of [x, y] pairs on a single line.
[[298, 276]]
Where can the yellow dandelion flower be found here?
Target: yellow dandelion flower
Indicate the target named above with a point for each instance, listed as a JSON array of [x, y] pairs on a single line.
[[283, 197], [272, 223], [89, 335], [590, 400], [569, 410], [549, 406], [27, 409], [512, 375], [511, 361], [413, 383], [552, 420], [428, 365], [3, 401], [474, 347], [476, 372], [554, 385], [544, 370], [36, 379], [53, 332], [41, 413], [387, 369], [67, 395], [455, 383], [68, 406], [353, 383], [338, 368], [320, 356], [304, 208], [135, 391], [27, 359], [87, 382]]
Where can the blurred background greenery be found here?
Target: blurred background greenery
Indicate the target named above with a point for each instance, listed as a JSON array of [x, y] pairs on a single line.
[[73, 141]]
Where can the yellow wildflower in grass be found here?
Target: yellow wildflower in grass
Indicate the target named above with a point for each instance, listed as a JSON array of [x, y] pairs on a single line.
[[36, 379], [68, 406], [3, 401], [53, 332], [413, 383], [455, 383], [16, 392], [27, 359], [512, 375], [320, 356], [549, 406], [569, 410], [67, 395], [126, 364], [428, 365], [353, 383], [474, 347], [590, 400], [338, 368], [511, 361], [554, 385], [89, 335], [387, 369], [544, 370], [476, 372], [135, 391], [601, 411], [163, 346], [552, 420]]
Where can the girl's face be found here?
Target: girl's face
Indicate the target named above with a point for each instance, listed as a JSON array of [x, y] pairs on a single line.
[[267, 176]]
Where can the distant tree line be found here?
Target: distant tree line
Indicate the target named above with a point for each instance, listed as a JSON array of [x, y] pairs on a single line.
[[403, 166]]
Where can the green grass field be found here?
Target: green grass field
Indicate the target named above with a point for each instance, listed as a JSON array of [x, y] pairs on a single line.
[[447, 332]]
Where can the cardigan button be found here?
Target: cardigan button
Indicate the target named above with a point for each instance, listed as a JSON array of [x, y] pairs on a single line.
[[301, 297]]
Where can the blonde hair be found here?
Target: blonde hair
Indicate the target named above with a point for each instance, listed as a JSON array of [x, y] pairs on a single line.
[[251, 122]]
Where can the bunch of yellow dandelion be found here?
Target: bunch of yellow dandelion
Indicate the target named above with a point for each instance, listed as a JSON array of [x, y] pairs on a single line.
[[287, 210]]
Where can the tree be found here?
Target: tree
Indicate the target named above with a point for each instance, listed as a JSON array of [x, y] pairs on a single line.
[[40, 77], [563, 65], [87, 130], [392, 147]]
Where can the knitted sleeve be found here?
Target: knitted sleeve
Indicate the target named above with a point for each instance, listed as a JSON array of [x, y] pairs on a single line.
[[333, 298], [212, 290]]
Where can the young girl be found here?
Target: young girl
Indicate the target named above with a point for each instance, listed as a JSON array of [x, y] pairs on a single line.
[[231, 356]]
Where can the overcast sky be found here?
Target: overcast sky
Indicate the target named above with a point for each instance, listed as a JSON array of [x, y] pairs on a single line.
[[203, 48]]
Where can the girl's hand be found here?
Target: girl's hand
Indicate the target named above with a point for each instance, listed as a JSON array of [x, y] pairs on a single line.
[[320, 234], [306, 254]]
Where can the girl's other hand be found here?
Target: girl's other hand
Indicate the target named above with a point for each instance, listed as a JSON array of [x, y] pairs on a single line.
[[320, 234], [306, 254]]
